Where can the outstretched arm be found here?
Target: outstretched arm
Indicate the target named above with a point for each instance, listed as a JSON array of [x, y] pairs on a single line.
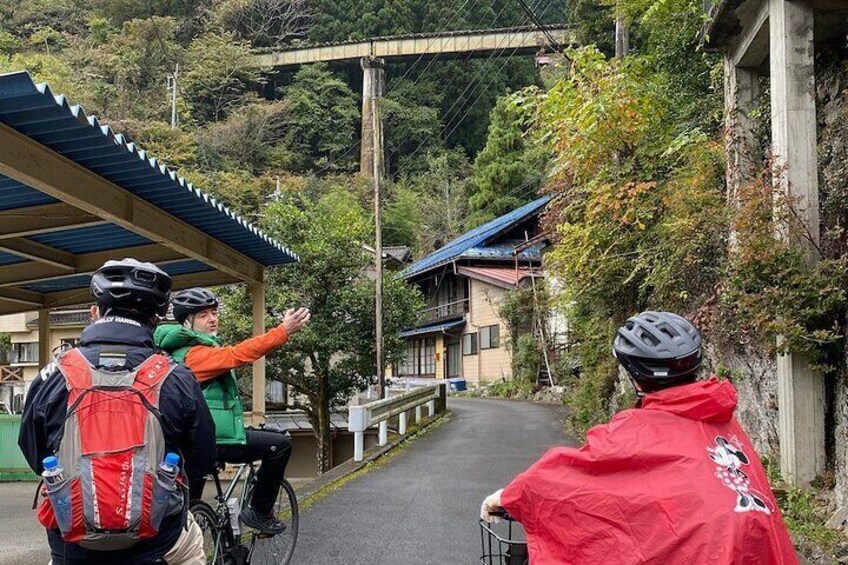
[[209, 362]]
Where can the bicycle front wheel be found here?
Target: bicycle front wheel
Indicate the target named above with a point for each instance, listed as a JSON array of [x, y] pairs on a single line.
[[207, 519], [278, 549]]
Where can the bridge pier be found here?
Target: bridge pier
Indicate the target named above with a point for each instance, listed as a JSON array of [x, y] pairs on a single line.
[[777, 37], [373, 87], [801, 390]]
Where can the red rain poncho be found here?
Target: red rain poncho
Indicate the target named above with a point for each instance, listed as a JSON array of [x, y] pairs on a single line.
[[676, 481]]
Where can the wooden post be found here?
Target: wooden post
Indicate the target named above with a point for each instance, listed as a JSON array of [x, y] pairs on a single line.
[[801, 391], [257, 291], [43, 337]]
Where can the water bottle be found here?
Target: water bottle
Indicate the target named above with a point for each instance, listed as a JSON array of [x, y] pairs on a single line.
[[168, 469], [60, 498], [53, 473]]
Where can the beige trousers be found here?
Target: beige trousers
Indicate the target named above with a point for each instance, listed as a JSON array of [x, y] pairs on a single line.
[[189, 547]]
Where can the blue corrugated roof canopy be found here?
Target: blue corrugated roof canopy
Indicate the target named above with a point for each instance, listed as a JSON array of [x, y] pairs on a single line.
[[438, 327], [480, 242], [73, 194]]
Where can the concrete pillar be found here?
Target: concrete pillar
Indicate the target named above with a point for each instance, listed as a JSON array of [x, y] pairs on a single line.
[[383, 436], [358, 446], [43, 337], [741, 89], [402, 423], [373, 86], [257, 292], [793, 116]]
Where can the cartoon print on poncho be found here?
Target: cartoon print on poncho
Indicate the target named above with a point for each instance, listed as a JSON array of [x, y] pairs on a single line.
[[729, 458]]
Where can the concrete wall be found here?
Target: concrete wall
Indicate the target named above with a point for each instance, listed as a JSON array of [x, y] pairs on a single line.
[[304, 463]]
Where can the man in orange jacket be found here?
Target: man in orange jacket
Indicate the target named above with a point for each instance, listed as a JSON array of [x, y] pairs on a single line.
[[195, 343]]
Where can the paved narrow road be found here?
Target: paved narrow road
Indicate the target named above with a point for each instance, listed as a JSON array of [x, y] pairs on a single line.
[[421, 507]]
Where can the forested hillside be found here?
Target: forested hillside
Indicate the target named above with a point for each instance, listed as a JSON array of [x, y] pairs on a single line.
[[241, 128]]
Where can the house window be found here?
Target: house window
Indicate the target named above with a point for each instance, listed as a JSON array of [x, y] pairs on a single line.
[[419, 358], [407, 365], [25, 352], [490, 337], [469, 344], [427, 358]]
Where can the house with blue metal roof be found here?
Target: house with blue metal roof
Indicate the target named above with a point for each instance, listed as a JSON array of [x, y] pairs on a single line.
[[461, 335], [74, 194]]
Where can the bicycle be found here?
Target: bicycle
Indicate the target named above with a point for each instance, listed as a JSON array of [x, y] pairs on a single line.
[[223, 539], [500, 549]]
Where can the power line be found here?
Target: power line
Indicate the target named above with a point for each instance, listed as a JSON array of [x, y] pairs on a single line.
[[444, 27], [470, 53], [538, 22], [468, 110]]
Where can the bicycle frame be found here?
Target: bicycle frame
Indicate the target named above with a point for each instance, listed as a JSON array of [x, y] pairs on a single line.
[[232, 544]]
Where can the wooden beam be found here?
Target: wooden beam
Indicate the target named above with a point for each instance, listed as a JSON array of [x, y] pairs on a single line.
[[38, 252], [80, 296], [43, 336], [22, 297], [85, 264], [33, 164], [257, 293], [34, 220]]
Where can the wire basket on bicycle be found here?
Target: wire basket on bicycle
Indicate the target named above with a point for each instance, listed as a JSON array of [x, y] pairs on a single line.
[[503, 543]]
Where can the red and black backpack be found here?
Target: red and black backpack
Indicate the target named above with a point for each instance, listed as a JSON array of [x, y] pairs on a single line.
[[113, 442]]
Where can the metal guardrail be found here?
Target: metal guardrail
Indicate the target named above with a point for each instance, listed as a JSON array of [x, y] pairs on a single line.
[[360, 418]]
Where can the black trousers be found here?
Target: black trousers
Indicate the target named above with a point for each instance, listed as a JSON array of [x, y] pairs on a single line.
[[273, 449]]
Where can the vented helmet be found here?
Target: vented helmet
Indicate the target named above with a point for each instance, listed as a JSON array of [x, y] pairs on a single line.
[[659, 349], [192, 301], [132, 286]]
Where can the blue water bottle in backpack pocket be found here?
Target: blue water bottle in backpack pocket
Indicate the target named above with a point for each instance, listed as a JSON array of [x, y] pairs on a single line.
[[166, 497], [60, 498]]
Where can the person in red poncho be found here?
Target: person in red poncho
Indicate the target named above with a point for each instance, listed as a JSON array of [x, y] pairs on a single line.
[[674, 480]]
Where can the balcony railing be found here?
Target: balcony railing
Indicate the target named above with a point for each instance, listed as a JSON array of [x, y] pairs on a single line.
[[455, 309], [11, 374]]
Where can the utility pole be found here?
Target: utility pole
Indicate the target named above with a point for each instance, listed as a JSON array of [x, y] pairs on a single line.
[[373, 90], [622, 35], [172, 88], [373, 85]]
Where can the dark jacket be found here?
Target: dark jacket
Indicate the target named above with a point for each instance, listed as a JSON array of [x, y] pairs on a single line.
[[188, 430]]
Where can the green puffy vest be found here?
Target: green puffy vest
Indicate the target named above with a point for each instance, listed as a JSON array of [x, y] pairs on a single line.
[[222, 393]]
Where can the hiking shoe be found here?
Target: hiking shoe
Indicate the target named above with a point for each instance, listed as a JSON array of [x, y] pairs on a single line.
[[265, 523]]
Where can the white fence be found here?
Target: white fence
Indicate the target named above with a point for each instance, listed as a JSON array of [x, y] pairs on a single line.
[[360, 418]]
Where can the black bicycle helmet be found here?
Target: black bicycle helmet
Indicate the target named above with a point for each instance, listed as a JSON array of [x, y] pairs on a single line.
[[131, 285], [659, 349], [192, 301]]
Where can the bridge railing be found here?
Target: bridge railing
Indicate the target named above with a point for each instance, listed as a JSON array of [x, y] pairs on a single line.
[[379, 412]]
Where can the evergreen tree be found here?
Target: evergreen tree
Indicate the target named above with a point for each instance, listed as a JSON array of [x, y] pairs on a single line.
[[508, 171]]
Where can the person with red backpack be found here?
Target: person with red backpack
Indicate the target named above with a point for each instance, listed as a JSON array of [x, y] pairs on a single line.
[[118, 429], [675, 480]]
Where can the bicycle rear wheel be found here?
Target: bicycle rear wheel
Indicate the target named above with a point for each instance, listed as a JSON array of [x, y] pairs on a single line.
[[207, 519], [278, 549]]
